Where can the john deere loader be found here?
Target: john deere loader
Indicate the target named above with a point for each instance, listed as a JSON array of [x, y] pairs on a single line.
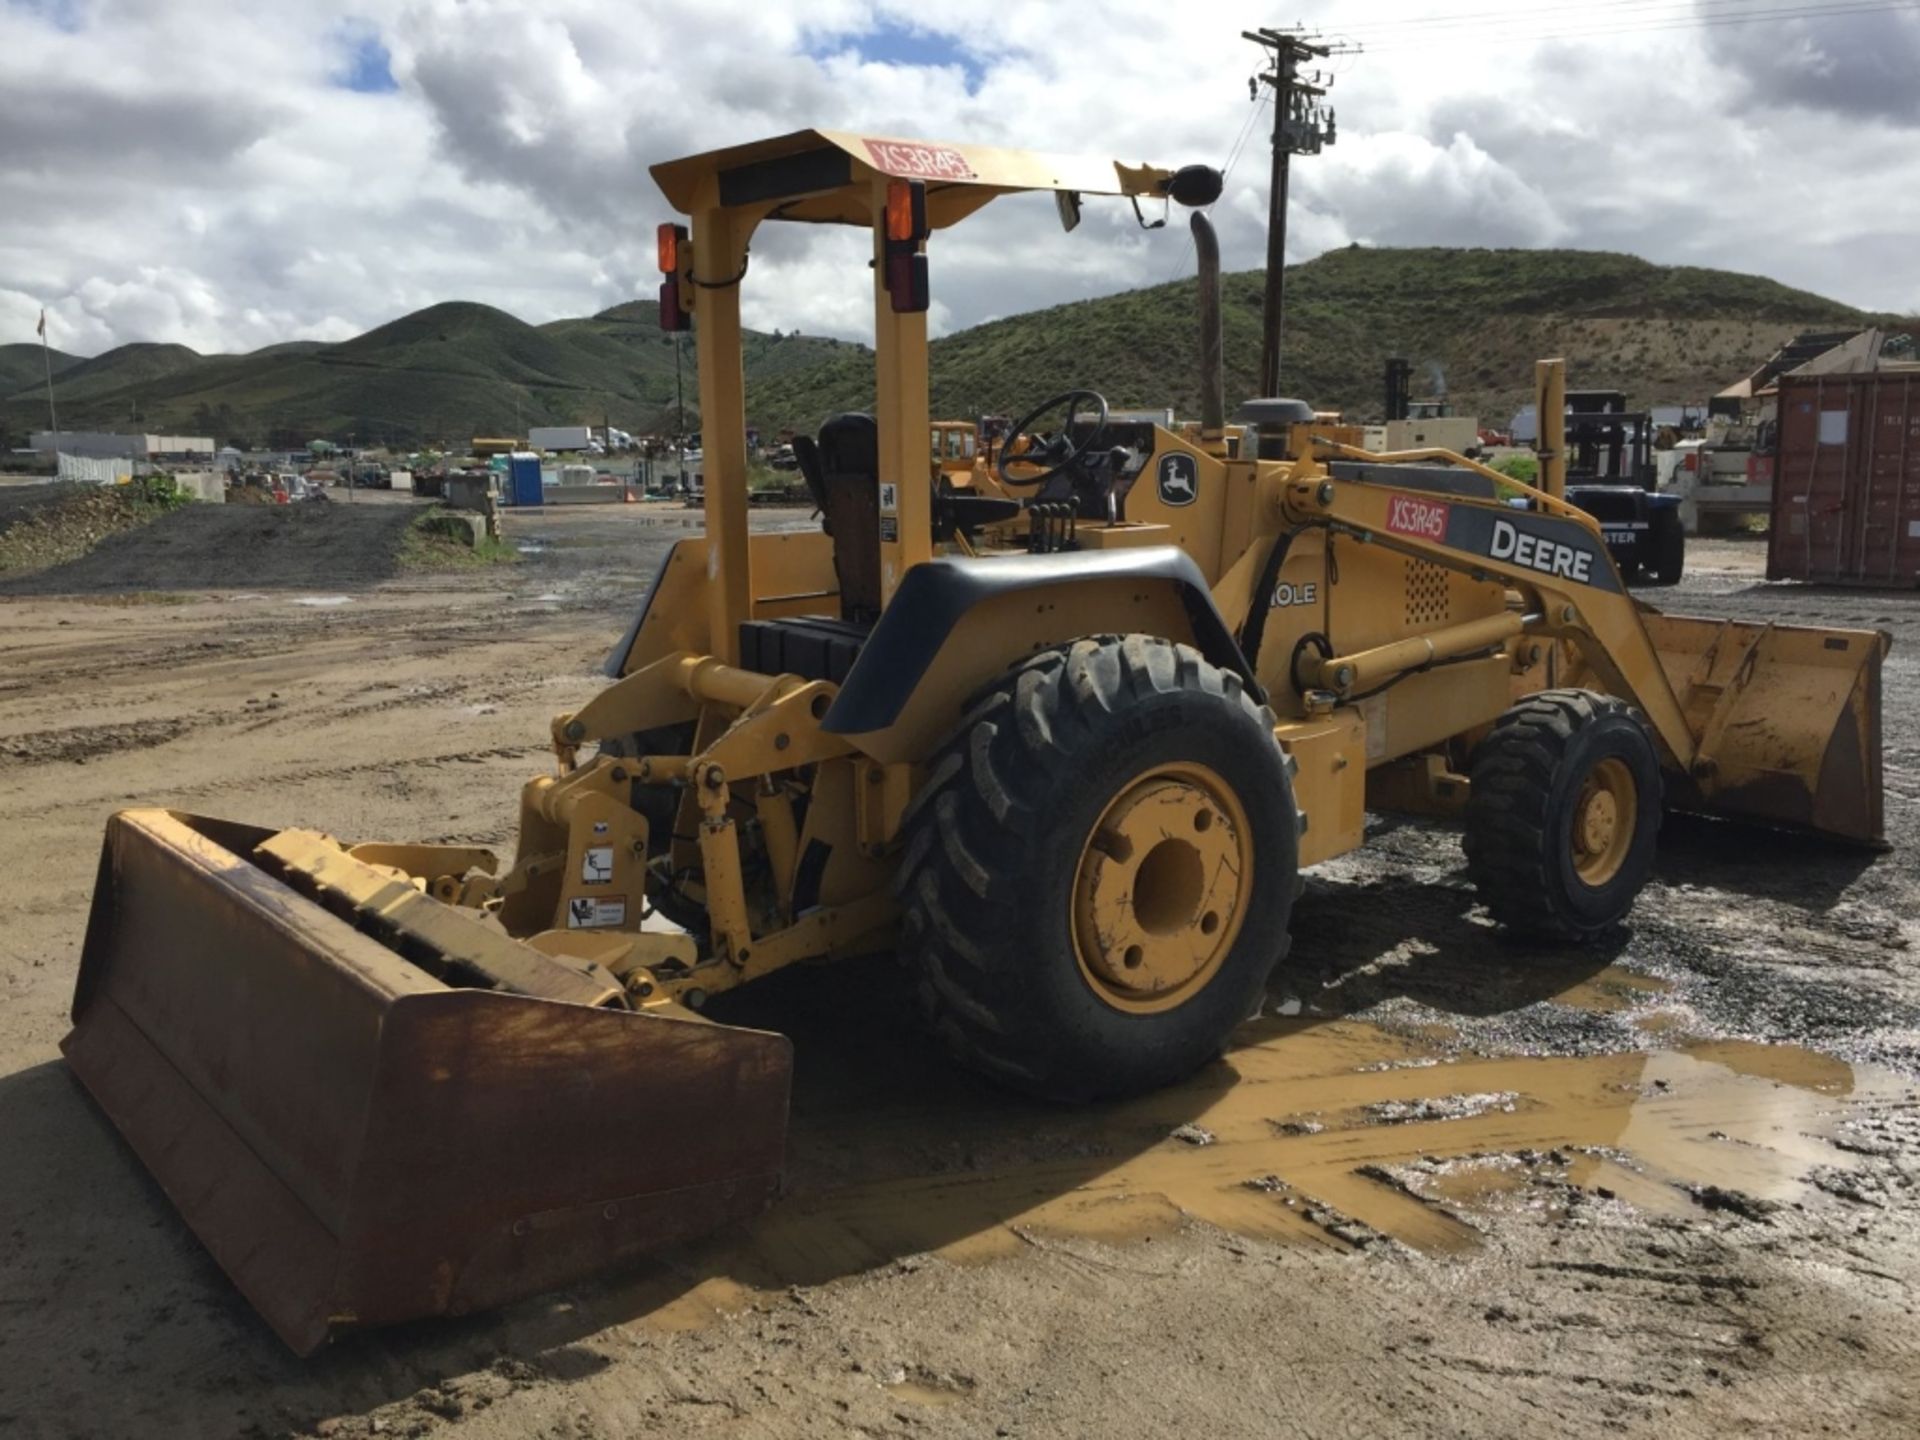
[[1064, 739]]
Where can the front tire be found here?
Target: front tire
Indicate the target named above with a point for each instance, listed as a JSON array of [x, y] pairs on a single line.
[[1562, 813], [1100, 869]]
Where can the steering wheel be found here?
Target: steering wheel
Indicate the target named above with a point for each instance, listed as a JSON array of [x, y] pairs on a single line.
[[1059, 453]]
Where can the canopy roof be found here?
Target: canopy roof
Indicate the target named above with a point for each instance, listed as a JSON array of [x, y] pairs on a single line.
[[825, 176]]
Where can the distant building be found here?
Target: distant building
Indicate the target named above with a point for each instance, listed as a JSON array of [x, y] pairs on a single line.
[[106, 445]]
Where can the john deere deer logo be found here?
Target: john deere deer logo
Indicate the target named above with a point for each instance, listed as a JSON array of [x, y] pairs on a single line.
[[1179, 479]]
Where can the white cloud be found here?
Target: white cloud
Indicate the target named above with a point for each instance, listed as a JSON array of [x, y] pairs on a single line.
[[195, 173]]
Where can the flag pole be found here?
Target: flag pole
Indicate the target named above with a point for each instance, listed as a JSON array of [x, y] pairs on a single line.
[[46, 353]]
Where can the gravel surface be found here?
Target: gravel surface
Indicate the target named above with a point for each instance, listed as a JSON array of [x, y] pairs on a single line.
[[19, 500], [255, 547]]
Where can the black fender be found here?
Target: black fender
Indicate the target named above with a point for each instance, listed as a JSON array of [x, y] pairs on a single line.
[[937, 594]]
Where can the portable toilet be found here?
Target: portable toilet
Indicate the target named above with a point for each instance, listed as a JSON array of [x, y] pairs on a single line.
[[523, 479]]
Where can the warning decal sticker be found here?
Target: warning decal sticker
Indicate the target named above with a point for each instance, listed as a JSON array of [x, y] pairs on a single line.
[[596, 912]]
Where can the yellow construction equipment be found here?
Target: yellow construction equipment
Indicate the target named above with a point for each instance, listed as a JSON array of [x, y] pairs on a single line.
[[1064, 739]]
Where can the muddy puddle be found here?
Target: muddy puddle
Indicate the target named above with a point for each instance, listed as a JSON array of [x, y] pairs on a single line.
[[1333, 1135]]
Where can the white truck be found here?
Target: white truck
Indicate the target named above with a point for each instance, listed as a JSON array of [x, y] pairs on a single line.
[[561, 438]]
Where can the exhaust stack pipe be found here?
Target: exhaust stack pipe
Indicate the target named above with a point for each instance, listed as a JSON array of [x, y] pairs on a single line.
[[1550, 425], [1213, 350]]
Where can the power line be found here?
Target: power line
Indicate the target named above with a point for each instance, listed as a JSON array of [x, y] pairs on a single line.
[[1246, 131], [1254, 112], [1515, 15], [1511, 36]]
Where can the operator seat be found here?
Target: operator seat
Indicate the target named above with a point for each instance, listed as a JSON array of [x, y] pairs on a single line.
[[848, 459], [806, 454], [842, 472]]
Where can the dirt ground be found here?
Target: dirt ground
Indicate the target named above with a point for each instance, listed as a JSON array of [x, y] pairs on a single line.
[[1444, 1186]]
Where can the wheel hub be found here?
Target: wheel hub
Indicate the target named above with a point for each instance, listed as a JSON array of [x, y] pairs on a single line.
[[1158, 898], [1604, 818], [1597, 820]]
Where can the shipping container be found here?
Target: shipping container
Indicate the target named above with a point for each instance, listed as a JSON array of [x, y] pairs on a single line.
[[1846, 483], [560, 437]]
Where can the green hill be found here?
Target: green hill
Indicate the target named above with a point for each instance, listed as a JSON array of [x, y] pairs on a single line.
[[124, 370], [286, 347], [444, 373], [629, 336], [1473, 319], [23, 365]]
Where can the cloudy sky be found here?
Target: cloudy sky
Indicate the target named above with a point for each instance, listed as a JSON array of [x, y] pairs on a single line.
[[229, 176]]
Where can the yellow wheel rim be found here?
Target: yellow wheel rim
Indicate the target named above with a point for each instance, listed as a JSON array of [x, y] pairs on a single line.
[[1162, 889], [1605, 816]]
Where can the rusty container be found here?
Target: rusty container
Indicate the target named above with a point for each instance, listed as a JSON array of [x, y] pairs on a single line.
[[1846, 489]]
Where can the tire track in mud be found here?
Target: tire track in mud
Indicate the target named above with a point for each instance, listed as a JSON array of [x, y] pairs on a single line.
[[112, 658], [1689, 1312], [299, 775], [112, 661], [304, 775], [80, 743]]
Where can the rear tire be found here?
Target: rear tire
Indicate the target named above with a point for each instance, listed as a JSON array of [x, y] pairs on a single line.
[[1562, 814], [1074, 970], [1668, 542]]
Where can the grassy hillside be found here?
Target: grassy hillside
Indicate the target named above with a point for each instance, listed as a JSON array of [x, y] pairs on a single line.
[[119, 371], [628, 339], [22, 366], [444, 373], [1475, 319], [286, 347]]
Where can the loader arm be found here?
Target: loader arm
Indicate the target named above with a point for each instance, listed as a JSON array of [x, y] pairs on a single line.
[[1556, 560], [1767, 722]]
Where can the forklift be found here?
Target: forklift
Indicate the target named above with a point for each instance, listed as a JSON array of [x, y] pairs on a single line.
[[1611, 476]]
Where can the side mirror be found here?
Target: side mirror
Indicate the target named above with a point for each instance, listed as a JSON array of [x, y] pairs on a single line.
[[1067, 202]]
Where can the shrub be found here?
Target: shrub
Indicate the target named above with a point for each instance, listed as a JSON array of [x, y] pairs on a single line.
[[155, 492], [1524, 468]]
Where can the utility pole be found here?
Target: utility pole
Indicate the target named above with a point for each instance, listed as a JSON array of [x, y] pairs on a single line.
[[46, 354], [1301, 126]]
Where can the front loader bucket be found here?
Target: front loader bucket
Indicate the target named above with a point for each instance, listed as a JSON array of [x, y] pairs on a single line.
[[358, 1143], [1785, 721]]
